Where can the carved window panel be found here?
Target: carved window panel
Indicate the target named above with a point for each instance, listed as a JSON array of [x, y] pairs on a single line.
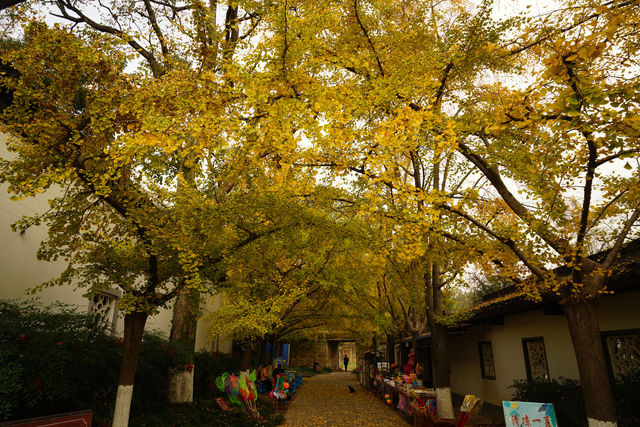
[[105, 306], [535, 359], [487, 366], [623, 351]]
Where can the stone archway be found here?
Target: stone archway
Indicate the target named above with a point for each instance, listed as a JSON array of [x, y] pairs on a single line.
[[329, 353], [349, 349]]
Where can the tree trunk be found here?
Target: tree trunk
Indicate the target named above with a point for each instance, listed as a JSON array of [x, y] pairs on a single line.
[[441, 374], [391, 358], [133, 330], [584, 327], [263, 352], [184, 322], [440, 353], [245, 361]]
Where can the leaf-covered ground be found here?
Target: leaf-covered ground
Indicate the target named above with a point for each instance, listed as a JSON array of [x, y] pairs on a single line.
[[324, 400]]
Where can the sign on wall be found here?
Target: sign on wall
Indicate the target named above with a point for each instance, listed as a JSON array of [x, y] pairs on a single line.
[[529, 414]]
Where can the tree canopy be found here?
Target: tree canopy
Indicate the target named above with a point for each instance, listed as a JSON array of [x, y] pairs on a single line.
[[272, 149]]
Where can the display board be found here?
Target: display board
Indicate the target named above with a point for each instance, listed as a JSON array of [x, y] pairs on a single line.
[[529, 414]]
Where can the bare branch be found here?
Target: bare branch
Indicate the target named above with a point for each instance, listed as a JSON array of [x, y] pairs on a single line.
[[621, 237], [156, 28], [65, 6], [605, 207]]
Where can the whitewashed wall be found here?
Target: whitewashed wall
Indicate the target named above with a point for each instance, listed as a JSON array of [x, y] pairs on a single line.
[[204, 341], [21, 270], [617, 312]]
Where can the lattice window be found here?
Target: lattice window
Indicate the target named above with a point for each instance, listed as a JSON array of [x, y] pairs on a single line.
[[624, 352], [106, 307], [486, 360], [535, 359]]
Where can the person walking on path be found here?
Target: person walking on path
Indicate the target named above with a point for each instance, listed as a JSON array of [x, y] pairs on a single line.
[[346, 361]]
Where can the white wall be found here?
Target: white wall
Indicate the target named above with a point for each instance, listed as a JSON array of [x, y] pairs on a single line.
[[617, 312], [205, 342], [20, 270]]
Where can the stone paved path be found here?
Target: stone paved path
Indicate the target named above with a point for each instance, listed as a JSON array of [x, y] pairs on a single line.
[[324, 400]]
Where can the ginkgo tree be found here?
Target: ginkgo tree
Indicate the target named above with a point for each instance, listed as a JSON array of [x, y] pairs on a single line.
[[143, 159], [299, 280], [570, 140], [386, 77], [552, 140], [374, 81], [418, 107]]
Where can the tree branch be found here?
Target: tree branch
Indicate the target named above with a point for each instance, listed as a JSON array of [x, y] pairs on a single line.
[[156, 29], [540, 273], [366, 34], [492, 174], [65, 6], [615, 156], [551, 34], [613, 252]]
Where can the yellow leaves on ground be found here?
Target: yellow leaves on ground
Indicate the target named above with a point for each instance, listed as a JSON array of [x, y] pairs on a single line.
[[324, 400]]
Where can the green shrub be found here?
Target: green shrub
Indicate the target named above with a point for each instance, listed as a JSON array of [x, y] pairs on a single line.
[[201, 412], [566, 396], [208, 366], [304, 370], [627, 399], [55, 360], [564, 393], [157, 358]]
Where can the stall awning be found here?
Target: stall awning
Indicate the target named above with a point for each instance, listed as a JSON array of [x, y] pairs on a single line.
[[420, 337]]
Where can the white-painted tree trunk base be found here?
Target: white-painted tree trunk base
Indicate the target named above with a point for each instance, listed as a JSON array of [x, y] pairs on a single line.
[[598, 423], [444, 405], [181, 387], [123, 406]]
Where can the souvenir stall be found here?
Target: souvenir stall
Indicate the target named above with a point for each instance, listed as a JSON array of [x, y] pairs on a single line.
[[373, 364], [399, 386], [408, 388]]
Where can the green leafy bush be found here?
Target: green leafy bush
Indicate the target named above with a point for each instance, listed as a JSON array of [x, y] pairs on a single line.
[[304, 370], [566, 396], [208, 366], [201, 412], [627, 399], [564, 393], [54, 359]]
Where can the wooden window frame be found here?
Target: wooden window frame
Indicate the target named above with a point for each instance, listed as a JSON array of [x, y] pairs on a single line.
[[493, 362], [603, 336], [527, 362]]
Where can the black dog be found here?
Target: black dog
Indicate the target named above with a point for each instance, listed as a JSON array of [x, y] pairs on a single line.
[[351, 389]]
